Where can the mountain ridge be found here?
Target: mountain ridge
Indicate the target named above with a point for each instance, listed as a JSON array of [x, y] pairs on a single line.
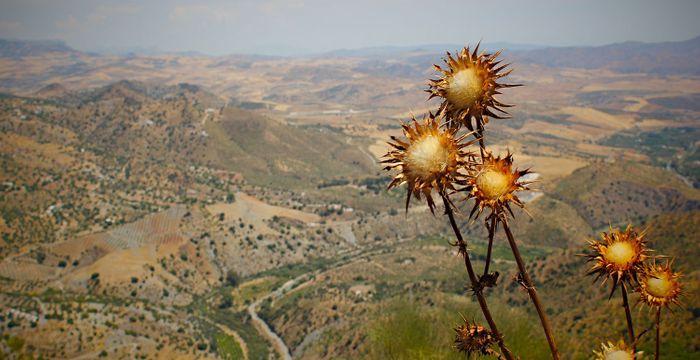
[[22, 48], [671, 57]]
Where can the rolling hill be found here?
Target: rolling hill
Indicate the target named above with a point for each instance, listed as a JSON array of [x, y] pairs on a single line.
[[621, 192], [271, 153]]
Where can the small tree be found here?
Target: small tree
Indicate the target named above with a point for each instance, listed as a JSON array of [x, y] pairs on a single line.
[[232, 278], [226, 301], [40, 257]]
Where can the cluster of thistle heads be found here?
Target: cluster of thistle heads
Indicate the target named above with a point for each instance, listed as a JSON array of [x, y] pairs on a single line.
[[435, 154], [435, 157], [624, 258]]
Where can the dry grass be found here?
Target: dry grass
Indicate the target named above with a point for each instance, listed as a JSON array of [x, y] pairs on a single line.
[[33, 154], [253, 211], [597, 118]]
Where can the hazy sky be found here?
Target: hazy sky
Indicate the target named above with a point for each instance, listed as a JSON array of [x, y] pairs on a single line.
[[302, 26]]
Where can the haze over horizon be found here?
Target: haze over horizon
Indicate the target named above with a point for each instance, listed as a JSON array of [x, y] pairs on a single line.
[[275, 27]]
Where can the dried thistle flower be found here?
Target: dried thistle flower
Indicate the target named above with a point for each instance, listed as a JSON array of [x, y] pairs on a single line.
[[472, 338], [468, 86], [430, 159], [659, 285], [492, 183], [618, 351], [620, 256]]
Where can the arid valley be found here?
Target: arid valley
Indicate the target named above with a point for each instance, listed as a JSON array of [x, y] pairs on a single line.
[[173, 206]]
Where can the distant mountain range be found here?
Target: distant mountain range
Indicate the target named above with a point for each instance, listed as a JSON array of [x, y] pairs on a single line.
[[380, 51], [659, 58], [16, 49], [681, 57]]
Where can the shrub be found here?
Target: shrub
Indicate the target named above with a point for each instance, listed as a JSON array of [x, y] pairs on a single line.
[[232, 278]]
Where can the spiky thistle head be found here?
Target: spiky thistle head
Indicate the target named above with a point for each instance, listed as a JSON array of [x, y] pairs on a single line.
[[619, 256], [428, 159], [659, 285], [471, 338], [618, 351], [468, 86], [493, 183]]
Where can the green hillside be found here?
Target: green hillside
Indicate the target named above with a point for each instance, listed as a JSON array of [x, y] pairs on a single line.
[[270, 153], [618, 192]]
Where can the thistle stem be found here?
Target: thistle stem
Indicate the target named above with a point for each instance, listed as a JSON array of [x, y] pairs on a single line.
[[474, 281], [658, 330], [480, 133], [531, 290], [492, 230], [628, 315]]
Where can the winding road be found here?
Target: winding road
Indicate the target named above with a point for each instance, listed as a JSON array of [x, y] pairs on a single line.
[[260, 324], [263, 327]]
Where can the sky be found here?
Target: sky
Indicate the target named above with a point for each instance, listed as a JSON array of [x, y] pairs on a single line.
[[295, 27]]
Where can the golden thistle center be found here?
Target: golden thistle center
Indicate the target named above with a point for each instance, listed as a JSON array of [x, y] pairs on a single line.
[[621, 254], [465, 88], [660, 286], [619, 355], [493, 184], [428, 157]]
